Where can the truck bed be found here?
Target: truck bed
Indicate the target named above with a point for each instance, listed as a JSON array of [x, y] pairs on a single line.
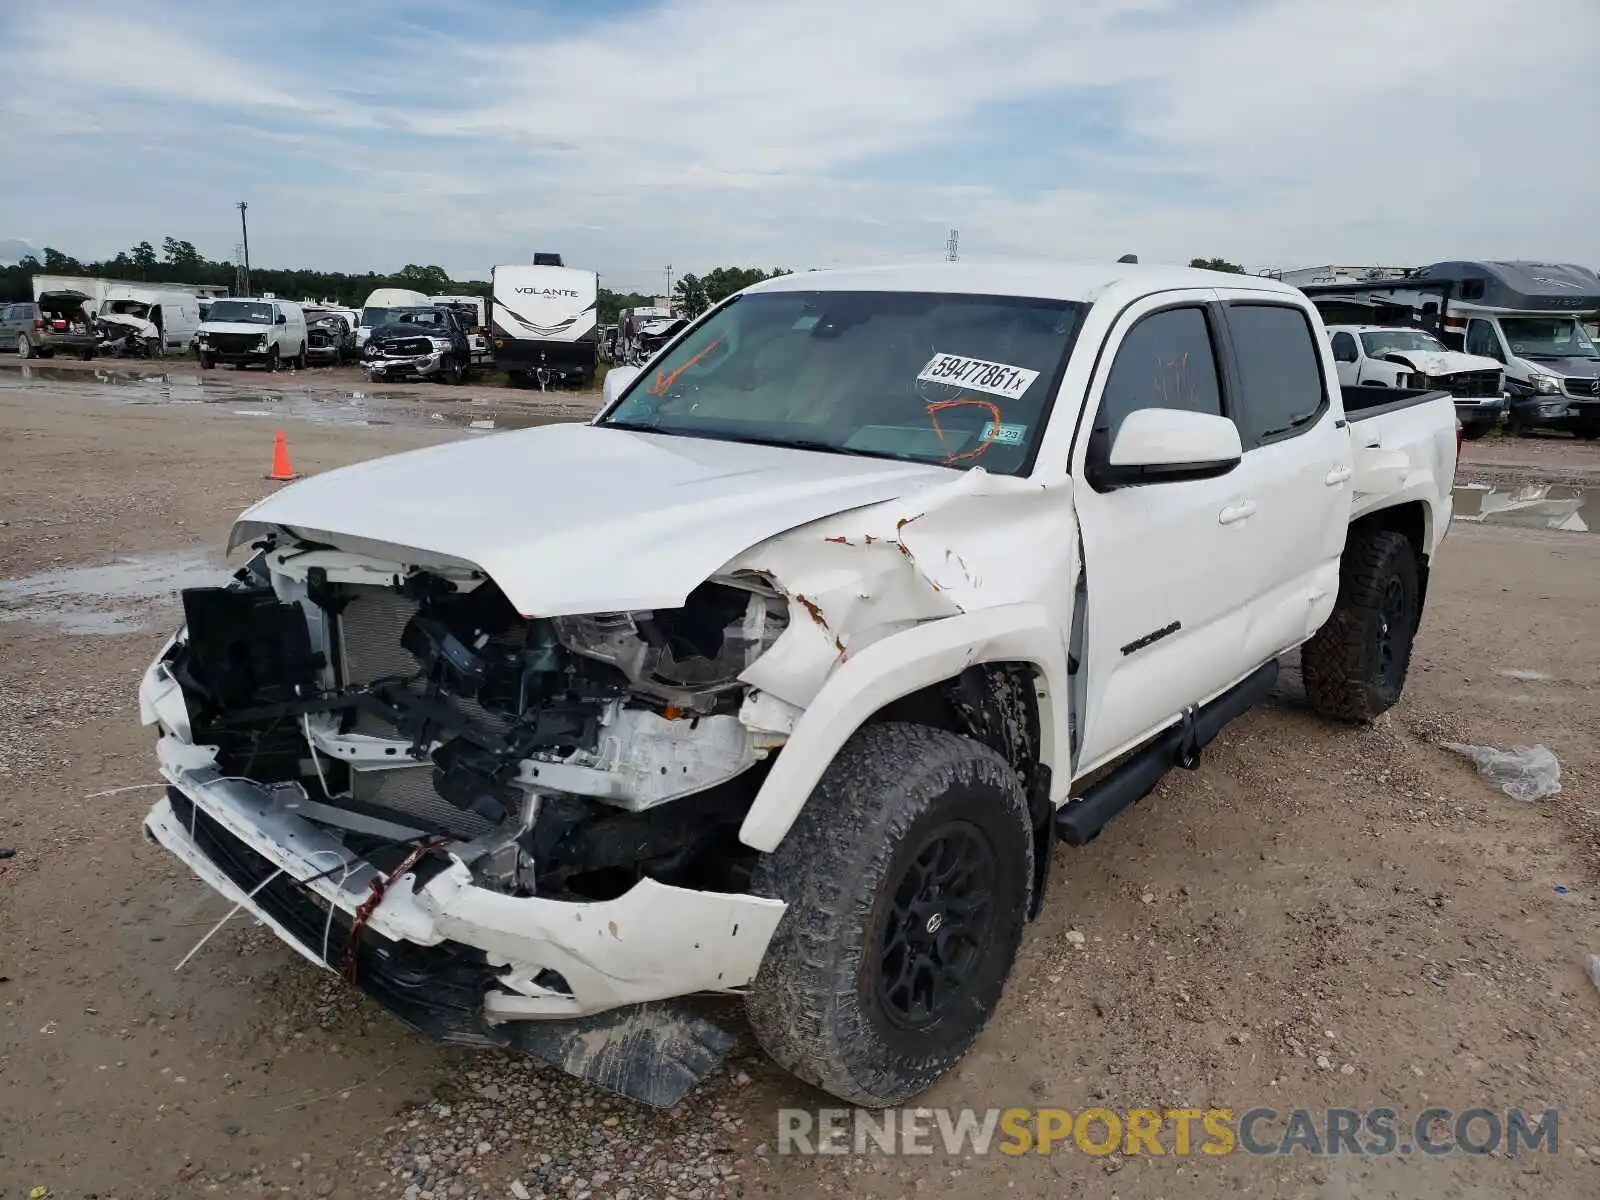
[[1363, 401], [1404, 443]]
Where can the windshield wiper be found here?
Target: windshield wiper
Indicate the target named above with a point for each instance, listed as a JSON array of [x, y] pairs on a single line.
[[813, 444]]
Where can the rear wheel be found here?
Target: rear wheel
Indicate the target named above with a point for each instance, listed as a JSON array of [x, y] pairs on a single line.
[[24, 347], [1589, 432], [207, 361], [908, 877], [1355, 667], [1473, 432], [86, 355]]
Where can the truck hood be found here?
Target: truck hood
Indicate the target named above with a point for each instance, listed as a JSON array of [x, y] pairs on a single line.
[[571, 519], [1443, 362], [234, 327]]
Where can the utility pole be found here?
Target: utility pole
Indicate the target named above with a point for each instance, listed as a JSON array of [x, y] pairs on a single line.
[[669, 285], [245, 230], [238, 271], [952, 246]]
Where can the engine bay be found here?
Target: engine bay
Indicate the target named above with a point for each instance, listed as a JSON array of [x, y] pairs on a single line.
[[566, 756]]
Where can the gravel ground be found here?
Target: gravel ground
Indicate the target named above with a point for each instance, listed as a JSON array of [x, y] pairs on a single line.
[[1309, 878]]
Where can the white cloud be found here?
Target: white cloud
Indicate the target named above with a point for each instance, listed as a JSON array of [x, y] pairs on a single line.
[[816, 132]]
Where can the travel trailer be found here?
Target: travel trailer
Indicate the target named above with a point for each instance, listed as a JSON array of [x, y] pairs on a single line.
[[545, 320]]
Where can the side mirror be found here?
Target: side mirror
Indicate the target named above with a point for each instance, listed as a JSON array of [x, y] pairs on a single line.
[[282, 319], [1165, 445], [617, 381]]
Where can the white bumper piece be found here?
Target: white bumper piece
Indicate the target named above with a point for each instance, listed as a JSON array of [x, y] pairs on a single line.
[[654, 942]]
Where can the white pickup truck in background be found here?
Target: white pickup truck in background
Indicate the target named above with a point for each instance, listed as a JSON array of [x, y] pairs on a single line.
[[1406, 357], [781, 676]]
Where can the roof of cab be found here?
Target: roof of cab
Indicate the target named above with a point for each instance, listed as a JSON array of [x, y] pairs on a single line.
[[1044, 280]]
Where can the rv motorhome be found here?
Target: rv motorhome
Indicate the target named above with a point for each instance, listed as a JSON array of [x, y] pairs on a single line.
[[1528, 316], [545, 319]]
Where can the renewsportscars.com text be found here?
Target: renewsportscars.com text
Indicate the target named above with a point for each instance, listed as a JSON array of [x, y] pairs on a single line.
[[1167, 1131]]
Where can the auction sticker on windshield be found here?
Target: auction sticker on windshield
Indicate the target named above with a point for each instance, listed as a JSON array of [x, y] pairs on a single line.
[[998, 379]]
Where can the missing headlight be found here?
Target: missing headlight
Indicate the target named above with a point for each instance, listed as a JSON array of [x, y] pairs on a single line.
[[684, 656]]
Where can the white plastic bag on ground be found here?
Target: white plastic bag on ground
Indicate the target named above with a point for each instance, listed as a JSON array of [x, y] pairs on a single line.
[[1591, 964], [1523, 772]]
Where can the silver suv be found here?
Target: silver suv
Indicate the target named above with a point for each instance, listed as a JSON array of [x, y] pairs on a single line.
[[56, 322]]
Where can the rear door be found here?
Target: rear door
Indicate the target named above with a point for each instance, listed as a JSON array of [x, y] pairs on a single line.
[[1172, 566], [10, 325], [1297, 449]]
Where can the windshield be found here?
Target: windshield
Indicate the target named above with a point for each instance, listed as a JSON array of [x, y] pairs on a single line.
[[1547, 337], [407, 316], [957, 380], [244, 311], [1392, 340]]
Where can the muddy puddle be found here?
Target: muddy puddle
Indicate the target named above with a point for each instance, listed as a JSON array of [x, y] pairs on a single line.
[[283, 397], [128, 595], [1567, 507]]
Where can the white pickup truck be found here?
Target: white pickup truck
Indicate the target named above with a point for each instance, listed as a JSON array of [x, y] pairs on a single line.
[[779, 677], [1405, 357]]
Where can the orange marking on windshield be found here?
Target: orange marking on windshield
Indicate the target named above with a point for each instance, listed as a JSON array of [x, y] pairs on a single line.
[[993, 430], [665, 379]]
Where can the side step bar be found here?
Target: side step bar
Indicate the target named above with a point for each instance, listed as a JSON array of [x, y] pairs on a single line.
[[1079, 822]]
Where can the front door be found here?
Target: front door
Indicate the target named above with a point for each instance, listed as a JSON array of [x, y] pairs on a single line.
[[1171, 567]]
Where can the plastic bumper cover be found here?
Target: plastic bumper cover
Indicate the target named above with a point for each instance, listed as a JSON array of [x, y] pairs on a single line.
[[654, 942]]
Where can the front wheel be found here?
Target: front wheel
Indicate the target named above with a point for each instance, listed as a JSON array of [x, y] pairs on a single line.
[[908, 877], [453, 373], [1355, 667], [207, 361], [300, 360], [274, 359]]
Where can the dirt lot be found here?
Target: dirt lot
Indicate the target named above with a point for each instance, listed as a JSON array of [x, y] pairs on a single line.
[[1319, 916]]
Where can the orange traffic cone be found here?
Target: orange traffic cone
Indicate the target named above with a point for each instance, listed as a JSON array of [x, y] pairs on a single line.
[[281, 470]]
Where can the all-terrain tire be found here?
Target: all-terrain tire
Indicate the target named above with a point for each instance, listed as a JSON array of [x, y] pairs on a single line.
[[1473, 432], [819, 1005], [1355, 667]]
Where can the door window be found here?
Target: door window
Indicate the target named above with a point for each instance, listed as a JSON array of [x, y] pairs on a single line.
[[1482, 339], [1281, 391], [1344, 348], [1166, 361]]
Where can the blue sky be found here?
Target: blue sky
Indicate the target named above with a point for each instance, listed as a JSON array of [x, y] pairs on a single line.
[[629, 134]]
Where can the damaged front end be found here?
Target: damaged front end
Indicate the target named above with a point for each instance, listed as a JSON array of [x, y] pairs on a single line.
[[483, 820]]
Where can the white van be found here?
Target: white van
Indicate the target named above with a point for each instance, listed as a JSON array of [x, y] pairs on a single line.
[[264, 331], [150, 321], [375, 310]]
